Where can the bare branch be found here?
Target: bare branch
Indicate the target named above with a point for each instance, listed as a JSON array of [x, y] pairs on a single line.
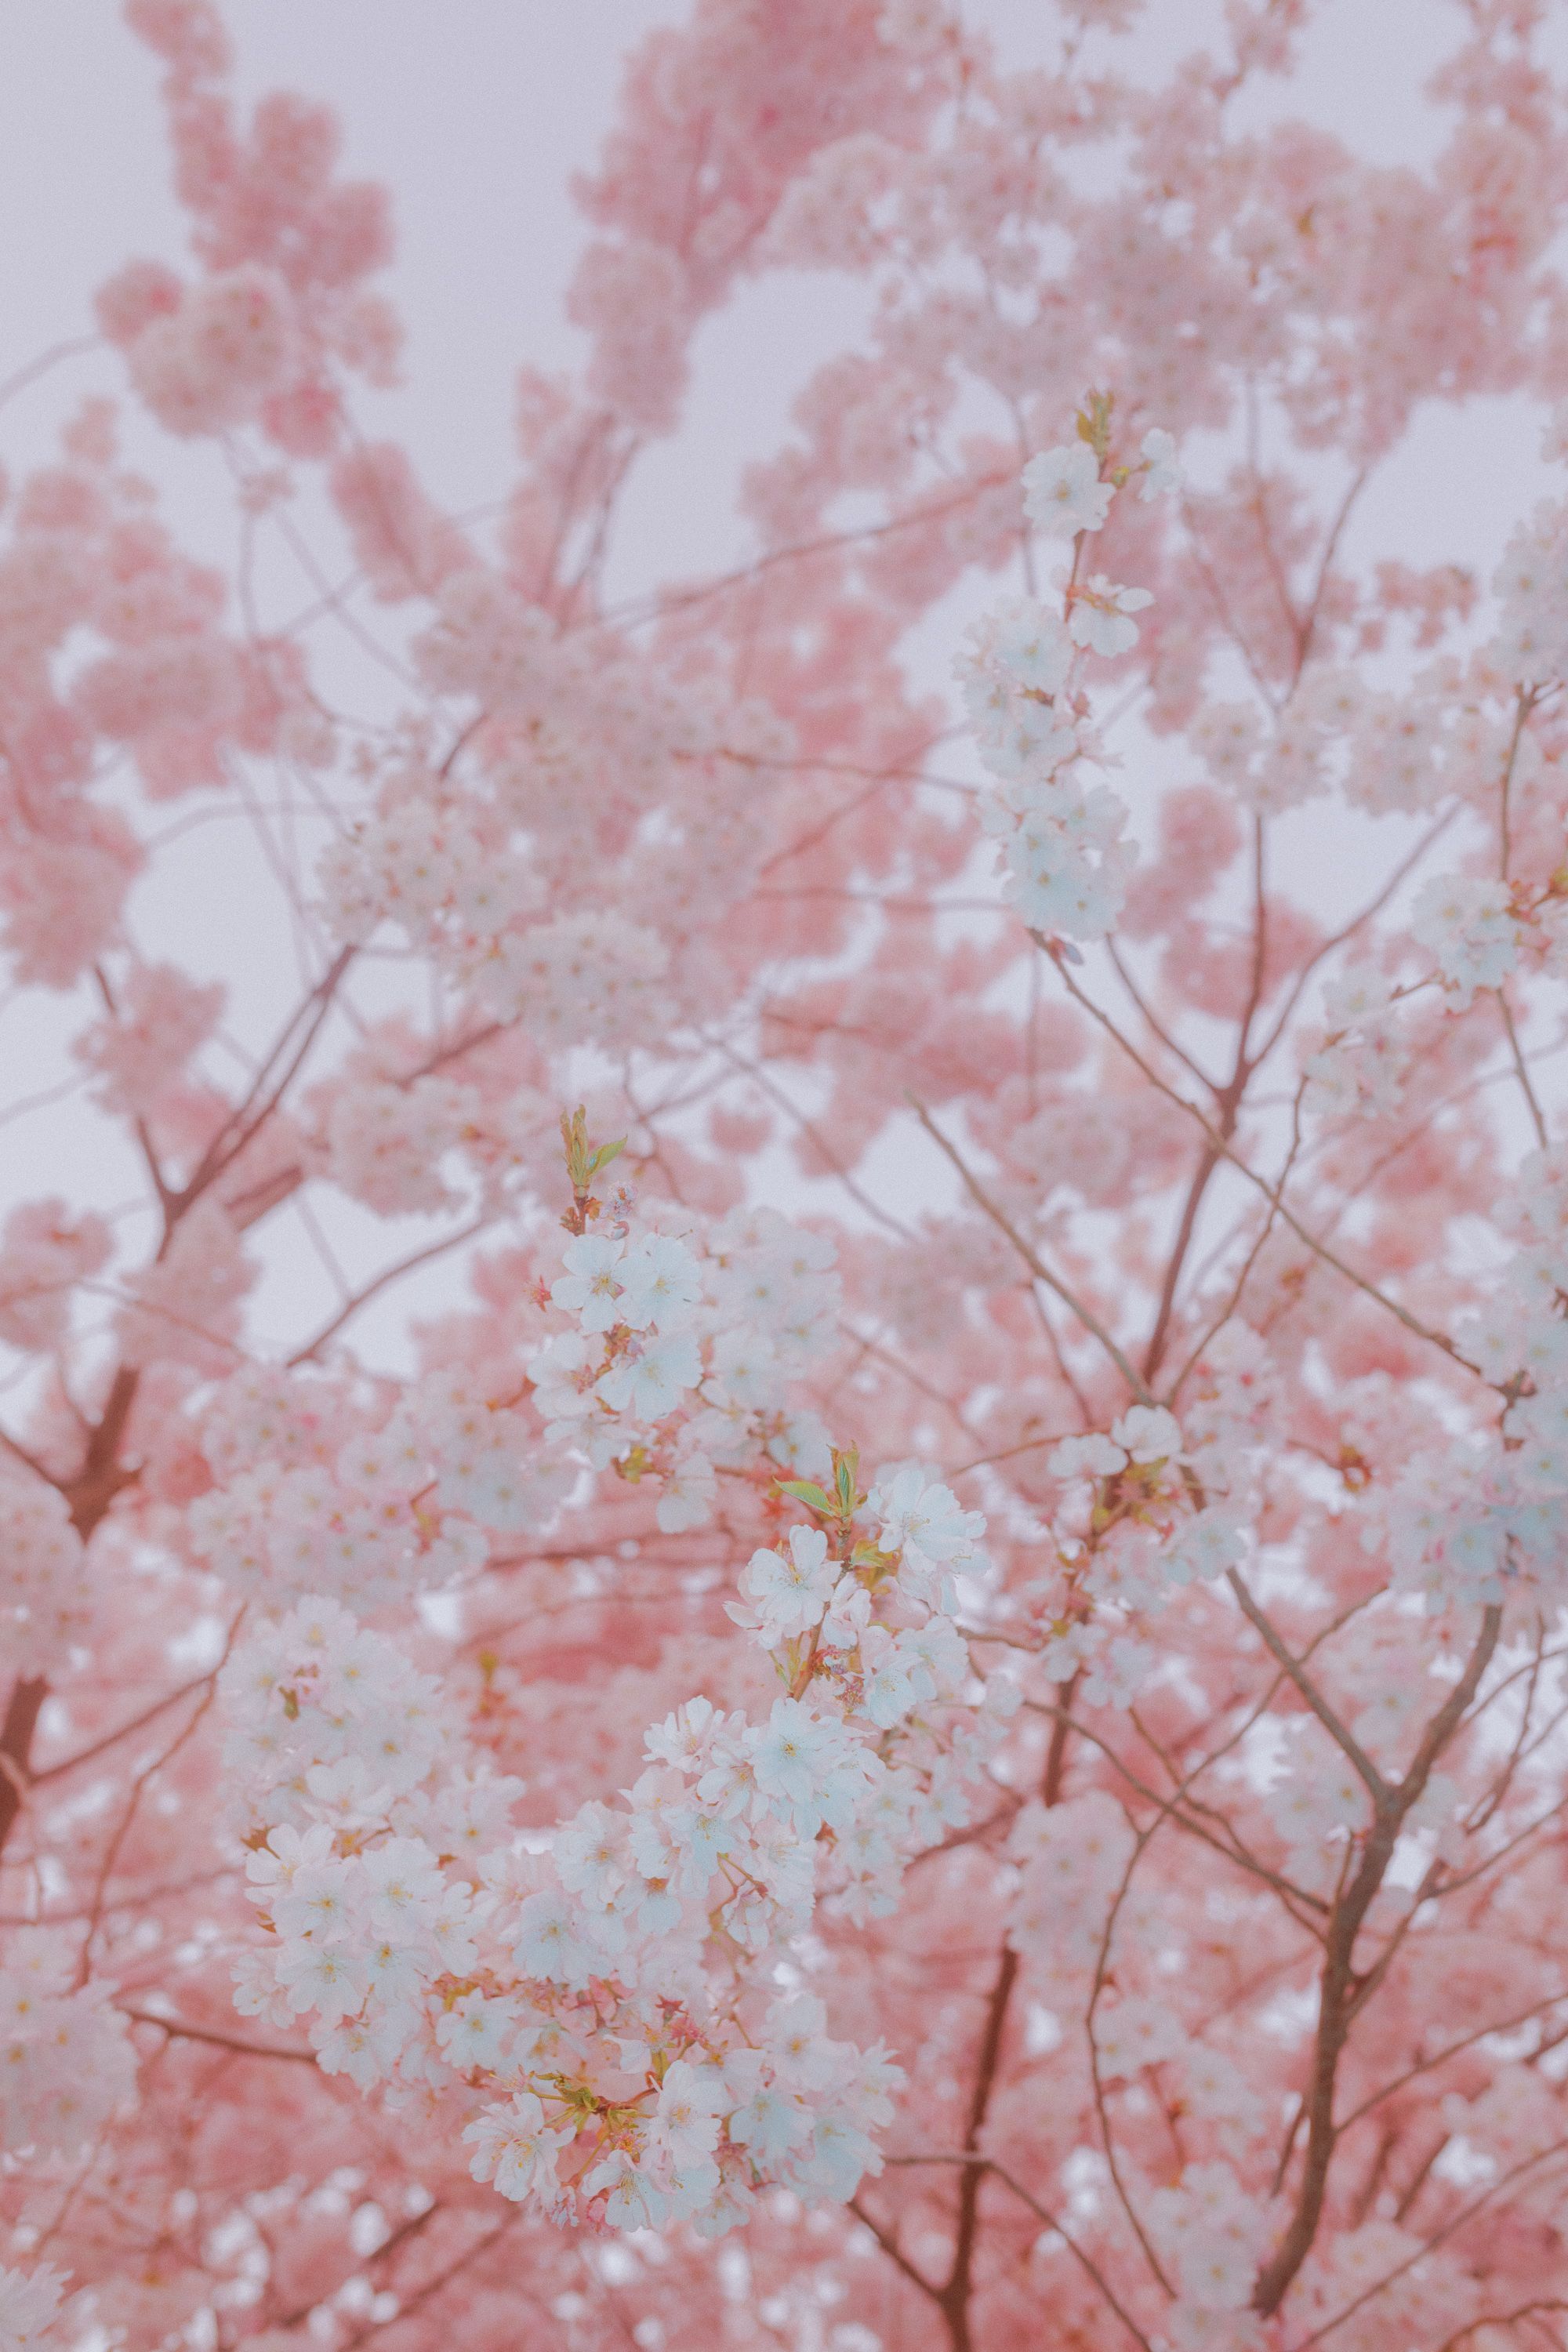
[[1041, 1272], [179, 2031]]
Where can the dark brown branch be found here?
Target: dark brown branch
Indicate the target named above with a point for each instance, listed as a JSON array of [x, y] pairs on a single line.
[[1340, 1989], [894, 2253], [179, 2031], [960, 2281], [1042, 2213], [27, 1696], [1343, 1740], [111, 1738]]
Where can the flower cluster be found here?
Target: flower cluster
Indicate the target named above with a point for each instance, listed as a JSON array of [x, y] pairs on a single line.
[[44, 1254], [683, 1349], [310, 1492], [1466, 921], [1531, 585], [43, 1583], [1133, 1524], [1482, 1519], [1159, 1749], [68, 2058], [585, 761], [598, 1999], [1363, 1059], [1061, 836], [598, 2004]]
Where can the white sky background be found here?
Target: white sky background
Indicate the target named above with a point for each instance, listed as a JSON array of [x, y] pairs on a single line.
[[478, 113]]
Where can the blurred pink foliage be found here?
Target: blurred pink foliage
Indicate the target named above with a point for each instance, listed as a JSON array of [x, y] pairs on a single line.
[[931, 1709]]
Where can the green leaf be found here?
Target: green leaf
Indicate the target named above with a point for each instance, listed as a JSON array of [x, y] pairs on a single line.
[[804, 1492]]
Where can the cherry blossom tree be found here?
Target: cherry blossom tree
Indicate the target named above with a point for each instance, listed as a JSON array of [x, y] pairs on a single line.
[[796, 1577]]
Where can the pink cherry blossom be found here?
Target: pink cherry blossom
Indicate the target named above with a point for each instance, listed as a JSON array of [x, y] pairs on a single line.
[[784, 1419]]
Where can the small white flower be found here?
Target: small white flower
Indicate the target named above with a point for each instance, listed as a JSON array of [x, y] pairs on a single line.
[[1063, 492], [1099, 615], [548, 1944], [590, 1286], [1149, 1433], [1032, 646], [662, 1284], [790, 1593], [329, 1980], [1093, 1456], [686, 2121], [515, 2148], [649, 1384], [474, 2032]]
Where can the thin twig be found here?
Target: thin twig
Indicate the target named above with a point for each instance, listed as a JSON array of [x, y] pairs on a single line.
[[389, 1275], [1270, 1192], [1041, 1272], [180, 2031]]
